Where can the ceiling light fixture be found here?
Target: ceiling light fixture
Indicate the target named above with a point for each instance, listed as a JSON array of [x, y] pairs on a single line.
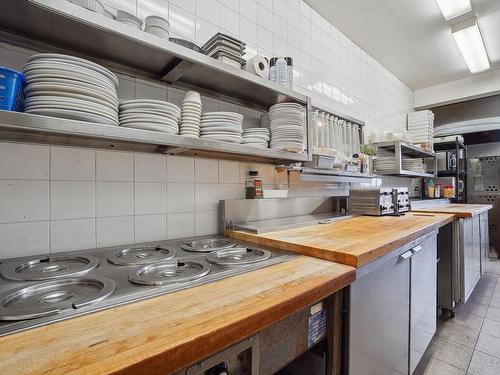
[[453, 8], [471, 45]]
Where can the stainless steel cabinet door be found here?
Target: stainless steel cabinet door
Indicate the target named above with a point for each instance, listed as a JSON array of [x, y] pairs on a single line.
[[470, 254], [379, 320], [423, 307], [485, 240]]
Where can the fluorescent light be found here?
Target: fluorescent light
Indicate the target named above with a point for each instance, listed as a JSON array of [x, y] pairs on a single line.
[[453, 8], [471, 46]]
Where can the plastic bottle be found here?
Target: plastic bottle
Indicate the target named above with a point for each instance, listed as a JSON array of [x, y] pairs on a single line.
[[282, 72]]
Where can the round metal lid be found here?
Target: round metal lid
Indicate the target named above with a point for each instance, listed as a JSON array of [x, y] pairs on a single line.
[[170, 272], [136, 256], [238, 256], [49, 268], [53, 297], [207, 245]]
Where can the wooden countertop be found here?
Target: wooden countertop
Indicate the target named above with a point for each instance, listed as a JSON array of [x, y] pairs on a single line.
[[353, 242], [167, 333], [459, 210]]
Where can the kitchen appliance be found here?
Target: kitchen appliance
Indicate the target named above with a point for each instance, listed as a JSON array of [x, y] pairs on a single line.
[[38, 290], [401, 199], [371, 201], [446, 161]]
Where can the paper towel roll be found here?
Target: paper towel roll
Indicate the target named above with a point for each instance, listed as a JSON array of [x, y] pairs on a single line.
[[258, 65]]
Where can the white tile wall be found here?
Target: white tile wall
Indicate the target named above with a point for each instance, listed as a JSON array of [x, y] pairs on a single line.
[[55, 198]]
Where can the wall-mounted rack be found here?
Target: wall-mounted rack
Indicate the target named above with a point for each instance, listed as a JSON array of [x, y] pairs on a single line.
[[60, 26]]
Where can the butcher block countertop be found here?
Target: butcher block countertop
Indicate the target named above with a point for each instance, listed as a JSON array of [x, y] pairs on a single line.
[[459, 210], [354, 242], [167, 333]]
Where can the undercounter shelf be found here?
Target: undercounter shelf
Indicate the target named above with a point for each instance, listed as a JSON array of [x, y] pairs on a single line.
[[60, 26], [26, 127]]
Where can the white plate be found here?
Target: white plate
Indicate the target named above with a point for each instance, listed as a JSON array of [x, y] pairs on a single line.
[[77, 61], [61, 105], [150, 127], [223, 114], [80, 78], [223, 139], [163, 117], [73, 84], [72, 115], [149, 103], [72, 88], [70, 102], [62, 70], [82, 99]]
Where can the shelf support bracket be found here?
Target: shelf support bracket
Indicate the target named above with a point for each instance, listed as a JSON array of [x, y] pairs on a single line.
[[174, 150], [177, 71]]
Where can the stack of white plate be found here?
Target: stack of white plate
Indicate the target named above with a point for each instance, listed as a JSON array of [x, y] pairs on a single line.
[[128, 19], [287, 122], [222, 126], [257, 137], [387, 164], [149, 114], [158, 26], [191, 115], [70, 87]]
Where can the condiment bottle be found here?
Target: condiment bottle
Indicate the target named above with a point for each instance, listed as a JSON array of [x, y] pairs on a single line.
[[437, 191], [448, 191], [253, 185], [430, 189]]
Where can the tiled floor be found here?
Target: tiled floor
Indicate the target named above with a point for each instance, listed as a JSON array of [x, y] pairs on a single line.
[[469, 344]]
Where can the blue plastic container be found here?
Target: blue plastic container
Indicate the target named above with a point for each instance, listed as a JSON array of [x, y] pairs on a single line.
[[11, 90]]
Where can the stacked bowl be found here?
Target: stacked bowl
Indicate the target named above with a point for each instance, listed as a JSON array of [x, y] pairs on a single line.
[[149, 114], [256, 137], [191, 115], [222, 126], [128, 19], [158, 26], [70, 87], [287, 122]]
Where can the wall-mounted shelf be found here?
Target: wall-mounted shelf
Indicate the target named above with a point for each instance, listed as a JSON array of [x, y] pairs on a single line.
[[43, 129], [329, 175], [56, 25], [404, 150]]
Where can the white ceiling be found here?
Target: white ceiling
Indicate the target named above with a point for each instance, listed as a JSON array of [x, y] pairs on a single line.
[[410, 37]]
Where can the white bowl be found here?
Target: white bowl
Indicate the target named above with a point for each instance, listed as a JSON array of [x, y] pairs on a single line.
[[192, 96], [158, 22], [128, 19], [158, 31]]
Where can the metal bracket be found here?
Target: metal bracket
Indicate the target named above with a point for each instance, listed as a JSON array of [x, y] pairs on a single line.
[[174, 150], [177, 71]]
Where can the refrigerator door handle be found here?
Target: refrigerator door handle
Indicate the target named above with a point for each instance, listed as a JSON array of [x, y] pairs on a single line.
[[406, 255]]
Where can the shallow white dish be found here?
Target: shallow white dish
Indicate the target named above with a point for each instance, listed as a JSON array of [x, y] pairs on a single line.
[[73, 115]]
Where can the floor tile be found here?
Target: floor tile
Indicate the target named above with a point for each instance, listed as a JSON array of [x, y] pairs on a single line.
[[466, 319], [484, 364], [493, 313], [433, 366], [491, 327], [488, 344], [458, 334], [472, 308], [454, 354]]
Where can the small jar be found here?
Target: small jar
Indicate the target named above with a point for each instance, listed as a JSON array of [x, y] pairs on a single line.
[[437, 191], [448, 191], [253, 185]]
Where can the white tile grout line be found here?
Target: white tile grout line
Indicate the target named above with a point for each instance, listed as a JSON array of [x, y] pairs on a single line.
[[481, 328]]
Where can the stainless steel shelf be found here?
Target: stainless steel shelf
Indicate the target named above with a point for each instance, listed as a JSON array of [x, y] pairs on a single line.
[[43, 129], [327, 175], [404, 173], [404, 150], [56, 25]]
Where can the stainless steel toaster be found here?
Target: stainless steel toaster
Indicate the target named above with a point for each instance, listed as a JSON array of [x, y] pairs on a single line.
[[371, 201]]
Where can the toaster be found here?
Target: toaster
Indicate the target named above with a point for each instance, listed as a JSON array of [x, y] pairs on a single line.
[[371, 201], [401, 199]]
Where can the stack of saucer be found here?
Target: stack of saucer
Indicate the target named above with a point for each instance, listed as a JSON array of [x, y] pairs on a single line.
[[70, 87], [222, 126], [128, 19], [225, 48], [256, 137], [287, 126], [191, 114], [149, 114]]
